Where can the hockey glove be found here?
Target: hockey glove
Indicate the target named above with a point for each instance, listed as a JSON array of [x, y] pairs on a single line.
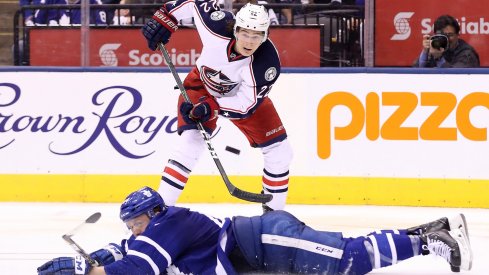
[[68, 266], [207, 109], [65, 266], [107, 255], [159, 28]]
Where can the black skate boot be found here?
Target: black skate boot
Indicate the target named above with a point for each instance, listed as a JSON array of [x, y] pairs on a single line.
[[443, 223], [441, 243], [433, 226], [266, 208], [453, 246]]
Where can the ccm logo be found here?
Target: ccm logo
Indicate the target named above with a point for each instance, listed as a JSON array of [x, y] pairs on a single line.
[[368, 116], [324, 249]]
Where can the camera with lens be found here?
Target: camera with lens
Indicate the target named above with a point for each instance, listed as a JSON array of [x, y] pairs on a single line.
[[439, 41]]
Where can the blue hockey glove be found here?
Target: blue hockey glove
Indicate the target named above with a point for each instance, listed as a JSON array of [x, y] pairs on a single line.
[[109, 254], [69, 266], [207, 109], [65, 266], [159, 28]]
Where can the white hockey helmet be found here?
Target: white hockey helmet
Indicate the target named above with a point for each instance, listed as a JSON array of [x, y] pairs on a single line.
[[253, 17]]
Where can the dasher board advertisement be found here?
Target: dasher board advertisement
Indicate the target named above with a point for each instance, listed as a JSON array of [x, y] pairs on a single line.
[[357, 138], [127, 47], [384, 125], [400, 26]]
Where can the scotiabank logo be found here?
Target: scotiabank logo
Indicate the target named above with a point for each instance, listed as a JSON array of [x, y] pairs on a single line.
[[401, 24], [137, 58], [367, 116], [480, 26], [107, 54]]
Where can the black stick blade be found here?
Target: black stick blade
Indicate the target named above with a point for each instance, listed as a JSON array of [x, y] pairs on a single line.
[[93, 218], [251, 197]]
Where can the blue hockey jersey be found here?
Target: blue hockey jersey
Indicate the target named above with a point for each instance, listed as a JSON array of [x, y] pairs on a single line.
[[192, 242]]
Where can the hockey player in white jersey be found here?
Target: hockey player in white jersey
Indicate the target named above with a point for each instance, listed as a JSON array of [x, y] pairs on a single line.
[[274, 243], [232, 78]]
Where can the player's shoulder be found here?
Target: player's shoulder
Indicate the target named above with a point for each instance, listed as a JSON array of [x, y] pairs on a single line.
[[266, 63], [174, 211], [219, 21], [172, 217]]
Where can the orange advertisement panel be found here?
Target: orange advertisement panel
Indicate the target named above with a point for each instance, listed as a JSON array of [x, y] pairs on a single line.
[[400, 26], [127, 47]]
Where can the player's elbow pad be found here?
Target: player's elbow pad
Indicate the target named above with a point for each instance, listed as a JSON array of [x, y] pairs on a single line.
[[109, 254]]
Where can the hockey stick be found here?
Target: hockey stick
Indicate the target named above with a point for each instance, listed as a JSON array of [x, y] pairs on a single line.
[[233, 190], [67, 237]]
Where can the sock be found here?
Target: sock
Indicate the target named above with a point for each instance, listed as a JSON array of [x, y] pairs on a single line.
[[378, 249]]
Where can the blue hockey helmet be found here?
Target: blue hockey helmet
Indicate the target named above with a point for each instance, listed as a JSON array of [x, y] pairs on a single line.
[[143, 201]]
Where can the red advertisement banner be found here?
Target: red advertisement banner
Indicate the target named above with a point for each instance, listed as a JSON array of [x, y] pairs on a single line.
[[400, 26], [127, 47]]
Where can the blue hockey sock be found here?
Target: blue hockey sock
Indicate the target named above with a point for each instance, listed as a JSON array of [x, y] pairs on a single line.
[[378, 249], [389, 247]]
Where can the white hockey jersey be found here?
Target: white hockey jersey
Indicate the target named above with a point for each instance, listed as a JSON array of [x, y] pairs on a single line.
[[238, 83]]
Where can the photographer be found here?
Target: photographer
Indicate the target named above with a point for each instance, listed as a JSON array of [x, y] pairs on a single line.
[[445, 49]]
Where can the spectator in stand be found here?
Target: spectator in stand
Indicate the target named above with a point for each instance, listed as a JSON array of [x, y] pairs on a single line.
[[143, 15], [338, 2], [123, 16], [50, 17], [28, 14], [73, 16], [287, 13], [445, 49], [109, 12]]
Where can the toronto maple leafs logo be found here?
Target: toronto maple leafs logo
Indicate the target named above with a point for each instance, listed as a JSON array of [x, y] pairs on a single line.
[[216, 81], [147, 193]]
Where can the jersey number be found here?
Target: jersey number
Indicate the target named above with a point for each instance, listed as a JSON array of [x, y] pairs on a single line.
[[264, 90]]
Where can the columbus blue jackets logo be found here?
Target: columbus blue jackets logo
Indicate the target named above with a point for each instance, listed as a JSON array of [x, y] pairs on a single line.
[[217, 15], [216, 81], [270, 74]]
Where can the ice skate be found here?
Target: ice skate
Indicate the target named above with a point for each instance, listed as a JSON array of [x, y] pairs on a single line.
[[453, 246], [459, 222], [443, 223], [266, 208], [459, 234], [433, 226]]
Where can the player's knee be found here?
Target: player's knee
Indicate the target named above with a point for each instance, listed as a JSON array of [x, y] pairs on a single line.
[[188, 150], [357, 257]]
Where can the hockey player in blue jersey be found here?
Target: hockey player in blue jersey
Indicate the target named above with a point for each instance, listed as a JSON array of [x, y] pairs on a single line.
[[174, 240], [232, 78]]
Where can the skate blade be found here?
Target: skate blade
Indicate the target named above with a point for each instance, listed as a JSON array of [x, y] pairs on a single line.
[[459, 222], [464, 246]]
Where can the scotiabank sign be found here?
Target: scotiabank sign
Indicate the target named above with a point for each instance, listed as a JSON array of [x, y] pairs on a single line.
[[400, 26], [127, 47]]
